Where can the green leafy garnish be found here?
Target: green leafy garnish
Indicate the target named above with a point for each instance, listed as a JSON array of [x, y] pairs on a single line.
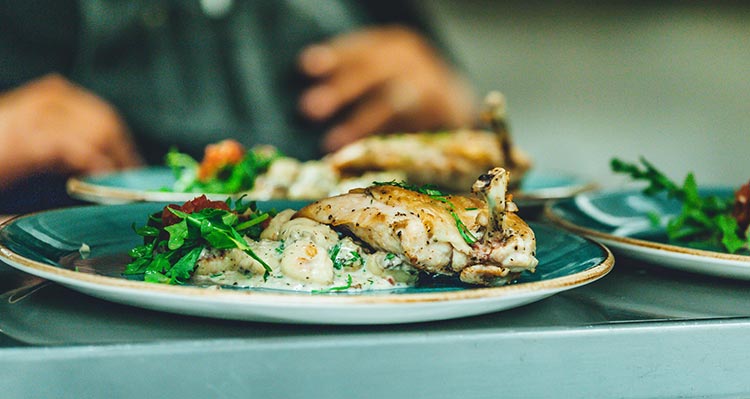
[[233, 178], [434, 193], [169, 253], [703, 220]]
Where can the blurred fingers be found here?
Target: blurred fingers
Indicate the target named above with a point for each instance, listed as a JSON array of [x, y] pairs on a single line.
[[367, 118], [403, 95], [122, 150], [342, 88], [318, 60], [385, 79], [107, 133], [85, 159], [348, 68], [125, 155]]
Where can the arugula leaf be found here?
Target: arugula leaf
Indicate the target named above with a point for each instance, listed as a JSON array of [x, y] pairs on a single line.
[[183, 268], [145, 231], [658, 182], [161, 263], [218, 234], [252, 222], [231, 179], [172, 260], [142, 250], [729, 227], [703, 220], [178, 232], [138, 266], [152, 276], [184, 168]]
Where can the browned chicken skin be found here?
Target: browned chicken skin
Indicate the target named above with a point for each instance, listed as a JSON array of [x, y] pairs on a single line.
[[482, 241], [450, 160]]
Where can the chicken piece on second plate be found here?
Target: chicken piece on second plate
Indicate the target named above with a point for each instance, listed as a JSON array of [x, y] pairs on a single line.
[[450, 160]]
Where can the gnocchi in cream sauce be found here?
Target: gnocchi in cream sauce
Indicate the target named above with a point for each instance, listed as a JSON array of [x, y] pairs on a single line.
[[304, 255]]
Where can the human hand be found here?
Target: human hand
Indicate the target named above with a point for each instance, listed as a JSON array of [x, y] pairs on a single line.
[[52, 125], [392, 79]]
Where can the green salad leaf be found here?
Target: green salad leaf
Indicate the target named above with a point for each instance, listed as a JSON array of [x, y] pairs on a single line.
[[169, 253], [703, 220], [230, 179]]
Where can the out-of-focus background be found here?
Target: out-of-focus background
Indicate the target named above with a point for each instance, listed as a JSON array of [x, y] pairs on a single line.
[[586, 81]]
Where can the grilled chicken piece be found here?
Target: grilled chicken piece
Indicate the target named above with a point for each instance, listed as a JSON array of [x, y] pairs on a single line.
[[450, 160], [482, 241]]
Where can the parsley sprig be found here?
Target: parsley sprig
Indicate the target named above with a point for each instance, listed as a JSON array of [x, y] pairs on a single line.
[[434, 193], [704, 220], [169, 253]]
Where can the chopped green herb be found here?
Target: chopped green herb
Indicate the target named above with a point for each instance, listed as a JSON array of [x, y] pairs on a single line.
[[434, 193], [280, 248], [336, 288], [341, 260]]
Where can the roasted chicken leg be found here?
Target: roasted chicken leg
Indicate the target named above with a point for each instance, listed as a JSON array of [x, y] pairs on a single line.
[[482, 241]]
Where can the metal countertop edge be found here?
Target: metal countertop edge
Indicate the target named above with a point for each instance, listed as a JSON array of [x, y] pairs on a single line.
[[611, 331], [630, 360]]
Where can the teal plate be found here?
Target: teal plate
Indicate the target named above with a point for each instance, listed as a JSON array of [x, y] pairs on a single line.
[[620, 219], [47, 245], [150, 184]]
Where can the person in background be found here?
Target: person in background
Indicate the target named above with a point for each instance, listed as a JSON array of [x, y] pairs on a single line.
[[98, 85]]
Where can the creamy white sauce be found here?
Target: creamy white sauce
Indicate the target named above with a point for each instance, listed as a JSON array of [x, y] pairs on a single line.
[[304, 255]]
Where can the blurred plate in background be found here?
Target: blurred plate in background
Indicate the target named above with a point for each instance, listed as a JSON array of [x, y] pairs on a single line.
[[152, 184], [620, 220]]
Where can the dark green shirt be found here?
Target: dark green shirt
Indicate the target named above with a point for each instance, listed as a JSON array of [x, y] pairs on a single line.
[[179, 75]]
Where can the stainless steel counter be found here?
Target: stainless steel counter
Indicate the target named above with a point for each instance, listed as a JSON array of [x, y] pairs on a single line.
[[639, 332]]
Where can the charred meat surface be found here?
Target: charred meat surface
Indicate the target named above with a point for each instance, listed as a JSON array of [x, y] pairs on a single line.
[[481, 240]]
